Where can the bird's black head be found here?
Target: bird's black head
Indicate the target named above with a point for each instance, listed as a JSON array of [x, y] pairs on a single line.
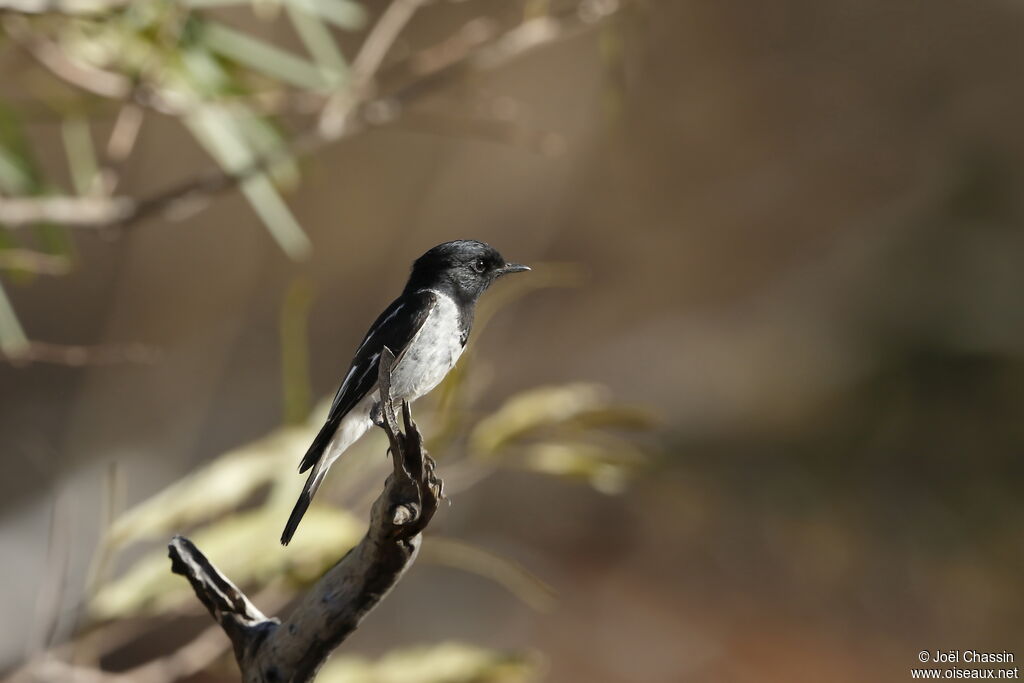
[[463, 269]]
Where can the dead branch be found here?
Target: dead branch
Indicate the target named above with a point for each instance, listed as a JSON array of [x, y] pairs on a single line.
[[70, 211], [270, 650]]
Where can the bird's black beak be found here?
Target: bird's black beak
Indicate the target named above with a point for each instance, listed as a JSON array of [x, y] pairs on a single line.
[[512, 268]]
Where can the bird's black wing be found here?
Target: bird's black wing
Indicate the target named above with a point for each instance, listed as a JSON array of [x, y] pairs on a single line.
[[394, 328]]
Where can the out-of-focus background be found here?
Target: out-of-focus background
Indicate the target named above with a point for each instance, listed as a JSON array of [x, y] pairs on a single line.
[[755, 416]]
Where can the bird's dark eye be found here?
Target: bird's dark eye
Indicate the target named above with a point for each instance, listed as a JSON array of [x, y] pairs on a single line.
[[479, 265]]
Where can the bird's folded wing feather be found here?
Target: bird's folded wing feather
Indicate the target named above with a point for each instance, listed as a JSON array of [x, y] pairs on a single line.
[[395, 328]]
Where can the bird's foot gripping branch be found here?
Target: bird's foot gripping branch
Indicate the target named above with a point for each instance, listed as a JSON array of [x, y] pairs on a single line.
[[269, 650]]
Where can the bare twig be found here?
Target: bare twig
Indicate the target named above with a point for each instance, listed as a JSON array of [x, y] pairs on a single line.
[[53, 57], [367, 63], [70, 211], [268, 650], [473, 34], [123, 137]]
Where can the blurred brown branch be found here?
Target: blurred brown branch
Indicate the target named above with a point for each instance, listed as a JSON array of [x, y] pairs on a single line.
[[331, 610], [84, 76]]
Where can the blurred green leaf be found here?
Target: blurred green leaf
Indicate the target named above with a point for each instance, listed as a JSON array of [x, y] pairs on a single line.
[[267, 142], [532, 410], [470, 558], [318, 40], [342, 13], [54, 239], [18, 171], [242, 548], [444, 663], [614, 417], [221, 486], [218, 130], [12, 336], [612, 46], [564, 431], [19, 175], [205, 75], [261, 56], [14, 176], [606, 467], [298, 397], [278, 218], [30, 262], [81, 153]]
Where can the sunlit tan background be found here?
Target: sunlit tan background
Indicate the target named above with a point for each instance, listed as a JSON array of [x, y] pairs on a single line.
[[784, 237]]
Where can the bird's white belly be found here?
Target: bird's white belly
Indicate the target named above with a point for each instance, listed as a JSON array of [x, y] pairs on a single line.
[[431, 354]]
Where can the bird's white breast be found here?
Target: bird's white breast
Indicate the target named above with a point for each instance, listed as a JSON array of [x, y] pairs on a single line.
[[431, 353]]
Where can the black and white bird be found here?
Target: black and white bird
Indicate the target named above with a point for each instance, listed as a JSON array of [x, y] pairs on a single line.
[[426, 328]]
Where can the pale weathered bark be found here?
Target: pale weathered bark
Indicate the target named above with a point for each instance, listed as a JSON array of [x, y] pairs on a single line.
[[271, 651]]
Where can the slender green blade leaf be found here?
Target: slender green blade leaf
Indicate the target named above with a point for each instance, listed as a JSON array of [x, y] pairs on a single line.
[[265, 140], [261, 56], [14, 178], [12, 335], [218, 131], [442, 663], [277, 216], [18, 171], [342, 13], [81, 153], [203, 74], [293, 325], [471, 558], [242, 548], [318, 40]]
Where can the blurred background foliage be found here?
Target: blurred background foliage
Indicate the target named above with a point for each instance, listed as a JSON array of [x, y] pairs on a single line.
[[790, 232]]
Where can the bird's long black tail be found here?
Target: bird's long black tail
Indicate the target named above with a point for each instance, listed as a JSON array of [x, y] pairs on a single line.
[[316, 449], [302, 504]]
